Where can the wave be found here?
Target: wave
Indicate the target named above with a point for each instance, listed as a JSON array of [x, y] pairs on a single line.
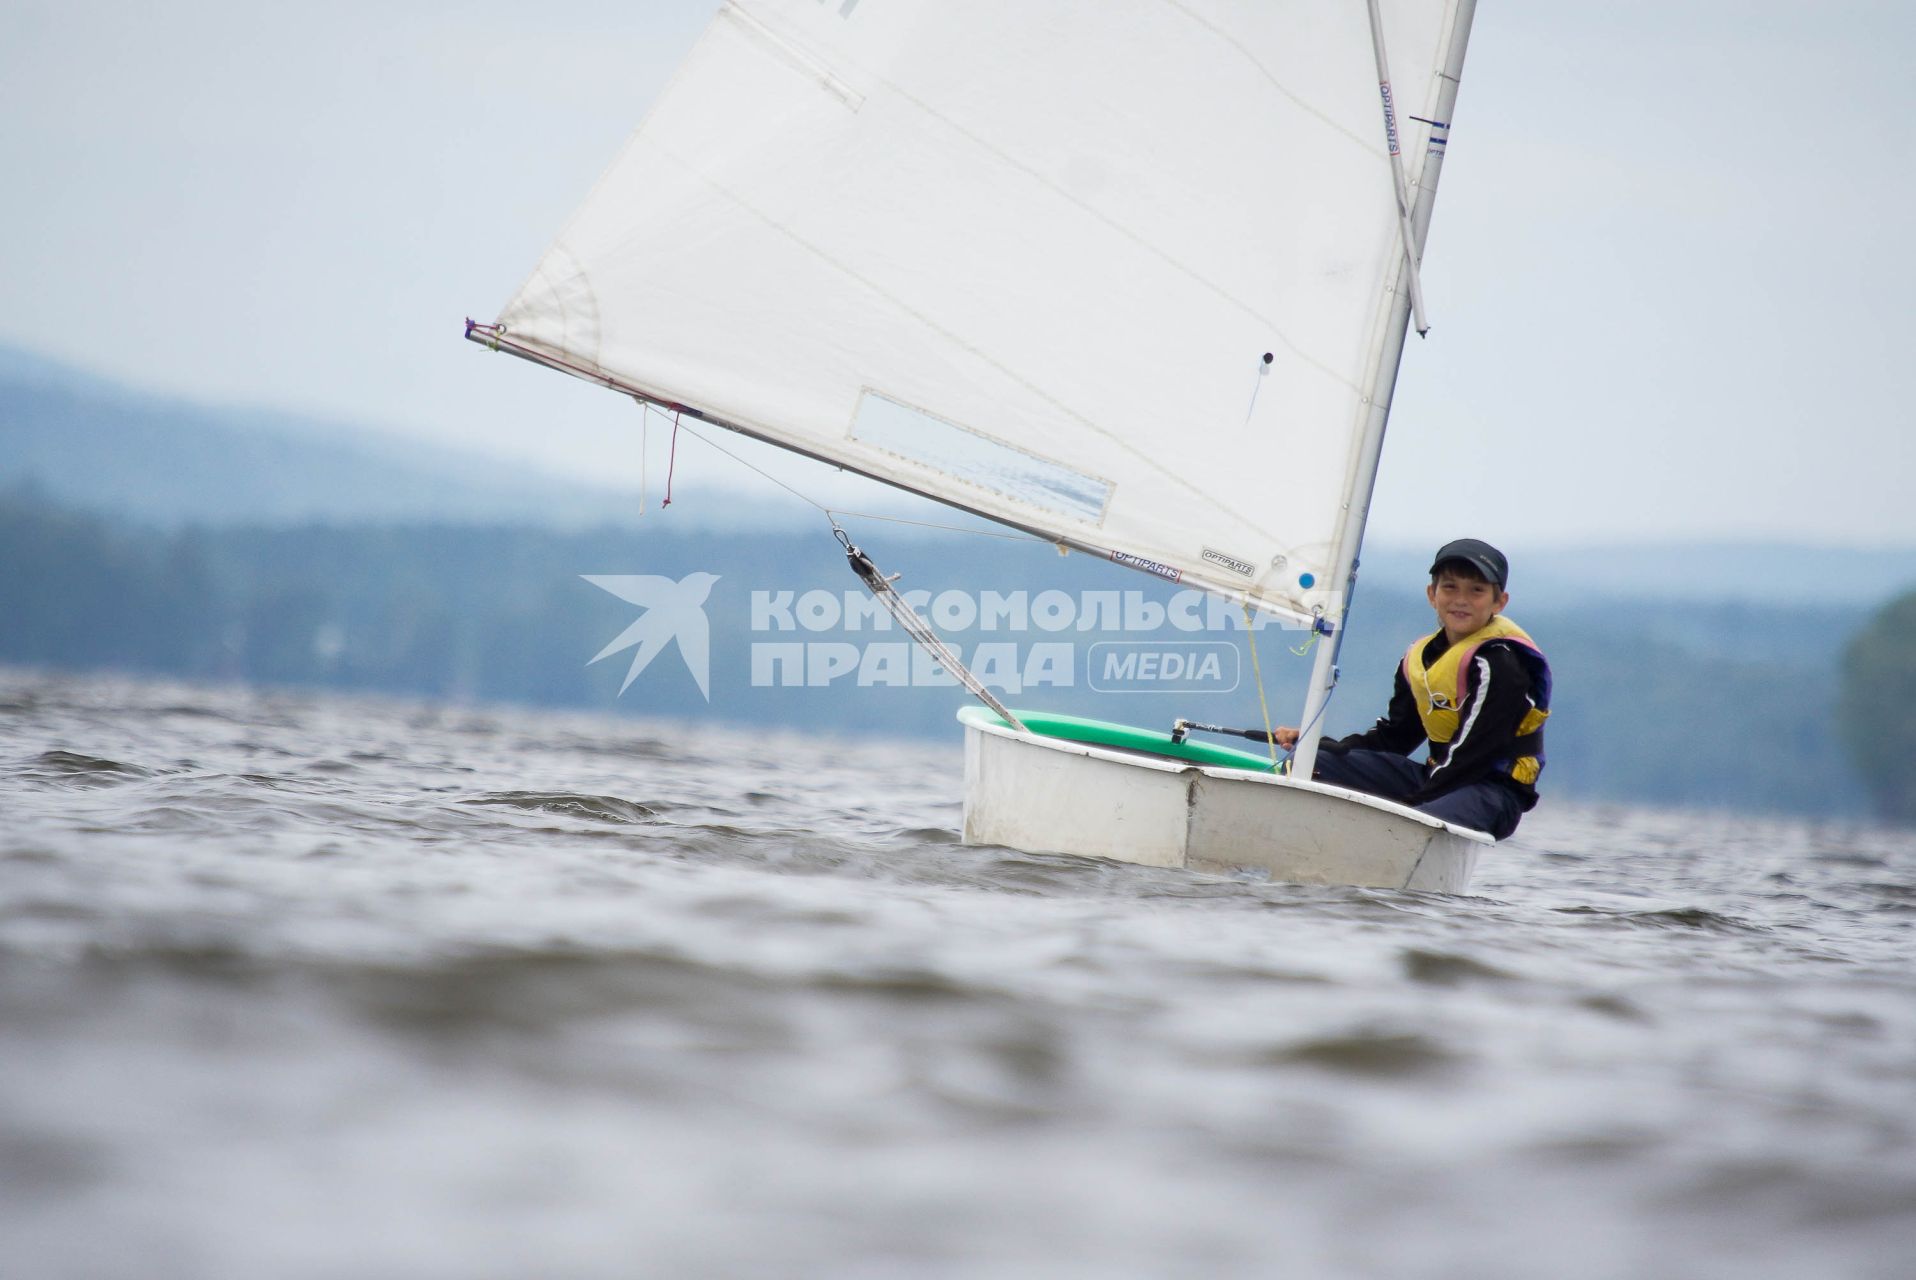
[[77, 767], [1368, 1051], [1671, 918], [1448, 968], [570, 805]]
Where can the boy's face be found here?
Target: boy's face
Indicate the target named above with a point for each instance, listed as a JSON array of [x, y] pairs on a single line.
[[1463, 604]]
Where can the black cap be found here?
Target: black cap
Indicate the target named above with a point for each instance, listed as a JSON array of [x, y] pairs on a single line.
[[1481, 556]]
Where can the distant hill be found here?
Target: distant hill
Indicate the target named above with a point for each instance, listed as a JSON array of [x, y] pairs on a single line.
[[92, 444]]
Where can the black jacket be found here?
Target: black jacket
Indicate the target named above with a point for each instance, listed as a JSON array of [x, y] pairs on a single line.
[[1500, 681]]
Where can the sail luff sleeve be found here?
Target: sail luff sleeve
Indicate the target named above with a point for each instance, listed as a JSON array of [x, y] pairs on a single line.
[[1411, 247]]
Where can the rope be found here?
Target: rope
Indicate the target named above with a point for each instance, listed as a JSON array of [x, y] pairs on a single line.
[[926, 524], [645, 441], [831, 512], [1291, 754], [878, 584], [916, 627], [1257, 673], [1316, 631]]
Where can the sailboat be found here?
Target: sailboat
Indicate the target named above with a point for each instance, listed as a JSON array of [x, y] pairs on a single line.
[[1134, 277]]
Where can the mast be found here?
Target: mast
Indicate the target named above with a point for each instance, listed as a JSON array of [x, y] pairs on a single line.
[[1390, 351]]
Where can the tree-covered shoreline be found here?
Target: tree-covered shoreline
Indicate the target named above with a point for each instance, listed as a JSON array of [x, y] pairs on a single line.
[[1705, 706]]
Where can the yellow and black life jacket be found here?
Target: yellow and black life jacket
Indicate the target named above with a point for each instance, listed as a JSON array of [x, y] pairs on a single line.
[[1441, 688]]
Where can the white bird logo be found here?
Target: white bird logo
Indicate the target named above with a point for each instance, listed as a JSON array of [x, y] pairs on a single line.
[[673, 611]]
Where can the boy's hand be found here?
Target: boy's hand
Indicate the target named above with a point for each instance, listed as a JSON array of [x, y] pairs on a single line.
[[1285, 736]]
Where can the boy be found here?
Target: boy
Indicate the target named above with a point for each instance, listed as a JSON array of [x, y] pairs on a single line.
[[1478, 688]]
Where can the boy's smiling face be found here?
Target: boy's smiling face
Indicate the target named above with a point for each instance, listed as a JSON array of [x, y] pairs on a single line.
[[1464, 604]]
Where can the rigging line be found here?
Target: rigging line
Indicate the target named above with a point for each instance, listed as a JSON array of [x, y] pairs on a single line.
[[1291, 755], [927, 524], [1257, 674], [645, 439], [760, 471], [862, 515]]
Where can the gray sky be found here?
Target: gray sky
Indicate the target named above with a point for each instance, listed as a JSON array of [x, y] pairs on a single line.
[[1669, 277]]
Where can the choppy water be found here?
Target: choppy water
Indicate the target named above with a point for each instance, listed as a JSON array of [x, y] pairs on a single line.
[[308, 987]]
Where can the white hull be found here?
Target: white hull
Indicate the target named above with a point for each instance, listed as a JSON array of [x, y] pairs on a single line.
[[1049, 795]]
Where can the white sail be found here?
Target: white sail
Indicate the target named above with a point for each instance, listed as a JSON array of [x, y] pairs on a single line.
[[1026, 257]]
